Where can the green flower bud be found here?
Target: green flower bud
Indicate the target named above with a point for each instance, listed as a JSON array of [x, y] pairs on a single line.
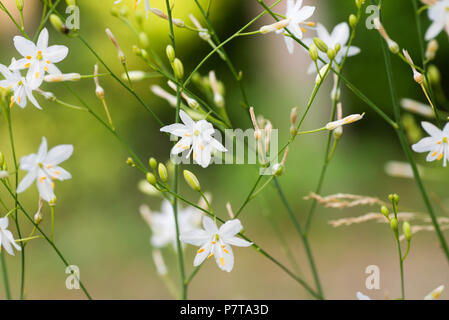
[[393, 46], [394, 226], [130, 162], [396, 198], [163, 172], [114, 11], [434, 75], [151, 178], [170, 52], [293, 131], [313, 50], [137, 51], [153, 163], [385, 211], [19, 4], [278, 169], [139, 17], [71, 2], [143, 39], [57, 23], [144, 54], [407, 230], [331, 54], [337, 47], [359, 3], [320, 45], [124, 11], [192, 180], [353, 21], [178, 68]]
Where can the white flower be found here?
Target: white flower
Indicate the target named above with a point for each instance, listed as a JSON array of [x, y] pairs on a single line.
[[439, 15], [435, 294], [216, 242], [136, 2], [361, 296], [196, 136], [6, 237], [21, 87], [44, 168], [339, 35], [38, 58], [163, 226], [296, 22], [437, 144], [347, 120]]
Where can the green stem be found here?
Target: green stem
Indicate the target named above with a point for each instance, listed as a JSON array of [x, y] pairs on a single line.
[[5, 276], [52, 208], [401, 266], [248, 198], [2, 6]]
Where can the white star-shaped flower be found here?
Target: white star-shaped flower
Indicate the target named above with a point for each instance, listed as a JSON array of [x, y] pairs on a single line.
[[6, 237], [44, 168], [162, 223], [21, 87], [216, 242], [339, 35], [437, 144], [439, 15], [38, 58], [297, 22], [136, 2], [196, 137]]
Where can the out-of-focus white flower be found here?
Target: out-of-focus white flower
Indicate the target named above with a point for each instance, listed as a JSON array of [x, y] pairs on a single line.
[[44, 168], [437, 144], [22, 88], [216, 242], [159, 262], [62, 77], [171, 99], [196, 136], [435, 294], [136, 2], [4, 174], [399, 169], [147, 188], [162, 223], [340, 34], [38, 58], [295, 21], [417, 107], [347, 120], [439, 15], [361, 296], [6, 237]]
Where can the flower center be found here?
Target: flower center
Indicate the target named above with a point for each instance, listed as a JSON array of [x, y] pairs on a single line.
[[445, 139], [39, 55], [217, 237], [20, 83], [196, 133], [40, 164]]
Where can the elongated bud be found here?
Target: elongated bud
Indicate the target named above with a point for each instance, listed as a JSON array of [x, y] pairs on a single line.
[[153, 163], [257, 131], [392, 45], [162, 170], [331, 54], [121, 55], [320, 45], [135, 75], [338, 132], [177, 22], [171, 99], [4, 174], [192, 180], [143, 39], [347, 120], [407, 230], [313, 51], [275, 26], [62, 77], [353, 21], [385, 211], [151, 178], [192, 103], [435, 294], [293, 115], [394, 226], [322, 74], [229, 210], [130, 162], [46, 94], [337, 47], [178, 69], [418, 77], [218, 97], [158, 259], [417, 108], [57, 23], [170, 52], [432, 48], [99, 91], [434, 75], [19, 4], [203, 33]]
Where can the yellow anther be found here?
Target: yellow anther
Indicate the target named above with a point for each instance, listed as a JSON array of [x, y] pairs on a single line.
[[48, 62], [201, 250], [39, 55], [222, 261], [434, 154], [445, 140], [42, 179], [27, 65], [210, 256], [49, 166], [311, 24], [196, 133], [37, 75], [28, 57], [57, 173], [440, 156], [303, 29], [214, 242], [46, 69]]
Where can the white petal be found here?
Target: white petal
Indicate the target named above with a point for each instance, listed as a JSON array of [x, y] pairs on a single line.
[[361, 296], [4, 223], [224, 259], [42, 152], [195, 237], [209, 225], [305, 13], [35, 75], [434, 30], [425, 145], [25, 46], [32, 99], [340, 34], [10, 238], [323, 34], [431, 129], [44, 186], [290, 44], [53, 70], [185, 118], [26, 181], [176, 129], [182, 145], [235, 241], [217, 145], [202, 254], [19, 64], [59, 154], [42, 41], [230, 228], [59, 173], [55, 54]]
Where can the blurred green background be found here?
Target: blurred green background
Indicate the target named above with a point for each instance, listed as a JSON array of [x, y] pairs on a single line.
[[98, 225]]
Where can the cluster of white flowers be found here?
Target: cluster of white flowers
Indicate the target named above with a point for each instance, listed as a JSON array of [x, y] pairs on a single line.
[[439, 15], [38, 59]]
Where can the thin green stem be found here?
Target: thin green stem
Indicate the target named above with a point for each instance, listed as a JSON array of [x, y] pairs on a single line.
[[248, 198], [52, 209], [5, 276], [401, 266], [2, 6]]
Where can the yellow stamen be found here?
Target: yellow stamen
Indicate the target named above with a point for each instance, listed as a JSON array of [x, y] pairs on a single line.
[[201, 250], [37, 75], [445, 140], [49, 166], [311, 24], [42, 179], [214, 242], [222, 261], [210, 256], [27, 65], [46, 69], [57, 172], [303, 29], [12, 102], [28, 57], [52, 185], [48, 62], [440, 156], [434, 154]]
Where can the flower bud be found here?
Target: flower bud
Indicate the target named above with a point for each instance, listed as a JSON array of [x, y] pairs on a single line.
[[331, 54], [57, 23], [385, 211], [163, 172], [135, 75], [71, 2], [323, 72], [62, 77], [293, 131], [294, 115], [192, 180], [347, 120], [170, 52], [38, 217], [19, 4], [353, 21], [153, 163], [320, 44], [143, 39], [394, 226], [359, 3], [435, 294], [407, 230], [151, 178], [313, 51], [337, 47], [4, 174], [432, 48], [278, 169], [178, 68], [434, 75], [130, 162]]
